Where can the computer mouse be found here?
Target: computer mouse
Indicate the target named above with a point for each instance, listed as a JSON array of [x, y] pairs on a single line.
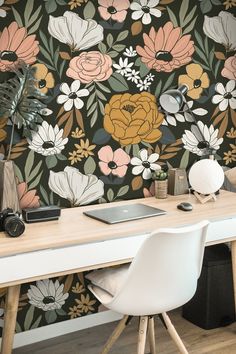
[[185, 206]]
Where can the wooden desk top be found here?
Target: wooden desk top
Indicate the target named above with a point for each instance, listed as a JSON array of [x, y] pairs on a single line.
[[74, 228]]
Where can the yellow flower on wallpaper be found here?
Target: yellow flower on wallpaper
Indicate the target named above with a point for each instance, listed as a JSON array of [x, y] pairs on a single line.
[[196, 79], [75, 3], [229, 3], [44, 77], [85, 304], [131, 119], [84, 148]]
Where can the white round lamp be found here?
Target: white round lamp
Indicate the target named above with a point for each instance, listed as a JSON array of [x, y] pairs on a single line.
[[206, 176]]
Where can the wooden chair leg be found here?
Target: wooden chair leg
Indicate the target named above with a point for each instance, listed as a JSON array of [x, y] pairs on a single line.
[[142, 334], [174, 335], [116, 334], [151, 335], [11, 307]]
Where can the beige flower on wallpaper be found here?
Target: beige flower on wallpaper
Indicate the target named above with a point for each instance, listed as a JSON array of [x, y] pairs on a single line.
[[221, 29], [90, 66], [76, 187], [72, 30]]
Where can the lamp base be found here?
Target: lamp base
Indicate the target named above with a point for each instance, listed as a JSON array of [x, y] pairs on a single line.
[[204, 198]]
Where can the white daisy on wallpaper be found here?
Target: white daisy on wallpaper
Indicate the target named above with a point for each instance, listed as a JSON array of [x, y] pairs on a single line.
[[47, 295], [76, 187], [145, 9], [123, 67], [221, 29], [48, 140], [130, 52], [145, 164], [143, 85], [184, 116], [72, 30], [192, 139], [133, 76], [71, 95], [226, 96], [3, 12]]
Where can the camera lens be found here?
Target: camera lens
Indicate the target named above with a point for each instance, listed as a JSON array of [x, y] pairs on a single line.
[[14, 226]]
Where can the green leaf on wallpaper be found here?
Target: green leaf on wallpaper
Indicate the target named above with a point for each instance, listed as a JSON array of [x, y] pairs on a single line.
[[29, 164], [17, 17], [122, 191], [110, 195], [101, 95], [190, 27], [28, 10], [101, 137], [51, 161], [61, 157], [143, 70], [122, 35], [50, 316], [110, 40], [136, 150], [102, 47], [34, 172], [183, 11], [189, 17], [91, 100], [29, 318], [18, 173], [35, 27], [61, 2], [89, 10], [44, 195], [113, 54], [118, 83], [205, 6], [172, 17], [61, 312], [92, 108], [168, 82], [184, 160], [158, 89], [101, 106], [36, 323], [35, 183], [50, 6], [18, 327], [118, 47], [34, 16], [94, 118], [89, 166], [103, 88]]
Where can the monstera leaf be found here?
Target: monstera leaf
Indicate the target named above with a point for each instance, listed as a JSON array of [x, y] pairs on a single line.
[[20, 100]]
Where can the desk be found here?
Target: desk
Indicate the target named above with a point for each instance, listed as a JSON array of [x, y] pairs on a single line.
[[77, 243]]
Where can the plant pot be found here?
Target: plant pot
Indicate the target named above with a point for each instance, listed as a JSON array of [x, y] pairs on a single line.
[[8, 188], [161, 188]]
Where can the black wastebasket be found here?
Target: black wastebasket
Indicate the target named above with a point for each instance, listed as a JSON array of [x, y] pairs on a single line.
[[213, 303]]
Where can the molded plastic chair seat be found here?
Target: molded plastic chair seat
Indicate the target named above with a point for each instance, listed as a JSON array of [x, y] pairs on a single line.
[[162, 276]]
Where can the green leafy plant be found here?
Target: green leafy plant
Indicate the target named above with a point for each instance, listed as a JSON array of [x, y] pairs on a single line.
[[159, 175], [20, 101]]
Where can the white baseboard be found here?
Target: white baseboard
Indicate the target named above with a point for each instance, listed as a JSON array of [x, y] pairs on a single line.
[[64, 327]]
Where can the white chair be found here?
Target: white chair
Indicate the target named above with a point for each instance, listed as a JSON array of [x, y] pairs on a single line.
[[162, 276]]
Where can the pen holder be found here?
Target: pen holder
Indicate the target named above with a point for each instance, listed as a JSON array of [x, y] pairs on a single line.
[[161, 188]]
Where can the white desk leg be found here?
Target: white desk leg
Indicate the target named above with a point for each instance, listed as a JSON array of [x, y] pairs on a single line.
[[11, 307], [233, 255]]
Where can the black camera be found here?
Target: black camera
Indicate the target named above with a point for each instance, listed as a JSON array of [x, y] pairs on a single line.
[[11, 223]]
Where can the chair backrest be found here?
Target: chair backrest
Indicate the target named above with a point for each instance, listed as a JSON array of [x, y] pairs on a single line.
[[163, 275]]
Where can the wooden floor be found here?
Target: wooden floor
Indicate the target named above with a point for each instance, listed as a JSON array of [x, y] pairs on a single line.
[[90, 341]]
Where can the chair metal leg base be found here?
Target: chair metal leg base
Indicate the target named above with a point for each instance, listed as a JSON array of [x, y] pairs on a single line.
[[116, 334], [173, 333]]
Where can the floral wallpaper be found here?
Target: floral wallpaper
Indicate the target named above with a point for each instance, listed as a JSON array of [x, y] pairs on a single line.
[[103, 65]]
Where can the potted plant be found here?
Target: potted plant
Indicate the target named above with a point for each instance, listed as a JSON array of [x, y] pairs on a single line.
[[20, 103], [160, 179]]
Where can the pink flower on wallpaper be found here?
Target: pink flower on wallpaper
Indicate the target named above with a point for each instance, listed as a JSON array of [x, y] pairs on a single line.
[[113, 9], [16, 46], [114, 162], [90, 66], [27, 199], [166, 49], [149, 192], [229, 69]]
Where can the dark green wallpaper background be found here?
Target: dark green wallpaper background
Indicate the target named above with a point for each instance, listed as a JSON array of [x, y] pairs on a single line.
[[103, 64]]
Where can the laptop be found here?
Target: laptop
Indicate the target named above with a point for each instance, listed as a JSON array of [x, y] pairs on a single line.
[[124, 213]]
